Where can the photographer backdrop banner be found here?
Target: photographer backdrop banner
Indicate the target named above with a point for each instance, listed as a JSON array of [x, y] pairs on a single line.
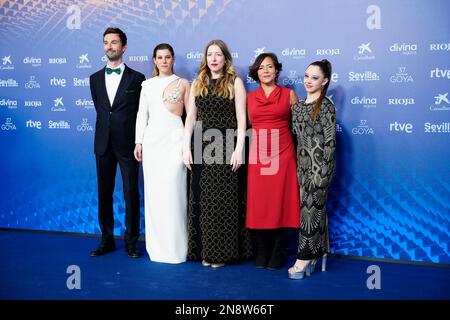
[[391, 83]]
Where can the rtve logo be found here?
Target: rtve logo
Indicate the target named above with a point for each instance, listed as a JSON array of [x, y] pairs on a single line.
[[34, 124], [401, 127], [58, 82], [440, 73]]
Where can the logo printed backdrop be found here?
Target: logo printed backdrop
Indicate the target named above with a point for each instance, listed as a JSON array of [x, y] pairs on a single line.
[[391, 79]]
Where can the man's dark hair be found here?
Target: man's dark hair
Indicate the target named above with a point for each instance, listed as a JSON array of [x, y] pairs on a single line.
[[122, 35]]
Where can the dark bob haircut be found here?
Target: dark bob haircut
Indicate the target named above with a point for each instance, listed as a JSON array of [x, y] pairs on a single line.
[[253, 69]]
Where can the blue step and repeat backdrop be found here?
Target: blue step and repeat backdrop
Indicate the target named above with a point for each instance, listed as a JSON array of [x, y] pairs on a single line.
[[390, 195]]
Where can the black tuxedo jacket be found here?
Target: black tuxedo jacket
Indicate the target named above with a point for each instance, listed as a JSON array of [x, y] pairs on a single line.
[[117, 121]]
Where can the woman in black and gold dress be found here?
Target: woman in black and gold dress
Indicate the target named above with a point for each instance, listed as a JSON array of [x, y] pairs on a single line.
[[216, 210], [314, 123]]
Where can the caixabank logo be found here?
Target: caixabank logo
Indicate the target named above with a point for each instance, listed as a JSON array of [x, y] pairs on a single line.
[[58, 105], [364, 52], [7, 63], [83, 62], [441, 102]]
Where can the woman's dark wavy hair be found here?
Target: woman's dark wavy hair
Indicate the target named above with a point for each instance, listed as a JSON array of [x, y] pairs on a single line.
[[253, 69]]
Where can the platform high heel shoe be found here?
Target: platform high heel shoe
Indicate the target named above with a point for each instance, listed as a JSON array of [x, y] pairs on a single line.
[[298, 273], [312, 265]]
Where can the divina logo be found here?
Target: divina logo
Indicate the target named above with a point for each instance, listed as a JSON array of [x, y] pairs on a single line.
[[439, 46], [401, 76], [401, 127], [443, 127], [35, 62], [440, 73], [366, 102], [32, 83], [294, 53], [401, 101], [403, 48], [194, 55], [362, 129], [364, 52], [441, 102], [8, 125], [85, 103], [10, 104], [363, 76], [6, 63]]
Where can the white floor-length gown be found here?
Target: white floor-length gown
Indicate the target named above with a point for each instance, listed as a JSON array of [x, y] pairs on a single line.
[[160, 132]]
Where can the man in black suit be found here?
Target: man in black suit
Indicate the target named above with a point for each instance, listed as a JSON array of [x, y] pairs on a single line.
[[115, 90]]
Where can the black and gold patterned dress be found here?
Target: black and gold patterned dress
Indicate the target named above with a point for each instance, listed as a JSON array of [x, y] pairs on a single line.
[[216, 212], [315, 169]]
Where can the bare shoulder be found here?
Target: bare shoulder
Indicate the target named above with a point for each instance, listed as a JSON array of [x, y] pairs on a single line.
[[238, 82], [294, 98]]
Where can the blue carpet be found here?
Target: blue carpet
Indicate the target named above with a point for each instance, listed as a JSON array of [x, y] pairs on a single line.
[[34, 267]]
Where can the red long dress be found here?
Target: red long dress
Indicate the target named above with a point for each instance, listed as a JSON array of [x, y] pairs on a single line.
[[273, 199]]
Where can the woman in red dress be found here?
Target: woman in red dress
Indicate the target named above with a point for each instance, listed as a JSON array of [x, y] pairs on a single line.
[[273, 202]]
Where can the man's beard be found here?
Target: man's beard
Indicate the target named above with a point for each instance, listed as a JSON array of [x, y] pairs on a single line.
[[113, 55]]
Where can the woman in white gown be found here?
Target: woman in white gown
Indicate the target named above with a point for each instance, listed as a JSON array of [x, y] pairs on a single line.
[[159, 132]]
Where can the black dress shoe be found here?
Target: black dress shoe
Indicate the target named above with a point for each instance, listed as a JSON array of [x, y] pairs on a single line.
[[103, 249], [132, 252]]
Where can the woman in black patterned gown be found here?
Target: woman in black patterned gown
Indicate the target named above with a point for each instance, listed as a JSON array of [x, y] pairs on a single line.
[[216, 210], [314, 123]]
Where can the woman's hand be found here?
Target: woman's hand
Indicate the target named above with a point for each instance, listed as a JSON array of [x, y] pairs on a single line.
[[187, 157], [138, 152], [236, 160]]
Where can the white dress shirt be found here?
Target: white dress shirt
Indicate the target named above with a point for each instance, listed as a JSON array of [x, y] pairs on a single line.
[[112, 81]]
